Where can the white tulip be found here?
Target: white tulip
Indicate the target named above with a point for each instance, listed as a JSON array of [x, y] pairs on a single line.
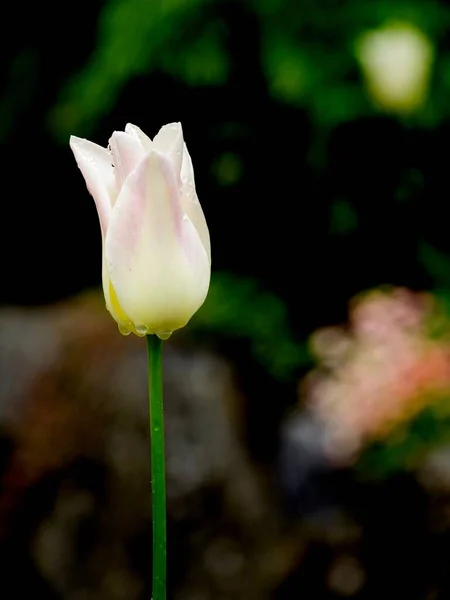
[[156, 247]]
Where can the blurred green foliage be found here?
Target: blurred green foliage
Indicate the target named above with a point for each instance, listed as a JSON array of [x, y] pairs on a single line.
[[437, 264], [408, 444], [135, 37], [240, 310], [344, 219], [307, 54]]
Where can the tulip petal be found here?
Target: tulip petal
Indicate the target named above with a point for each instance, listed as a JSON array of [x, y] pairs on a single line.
[[106, 282], [95, 163], [190, 203], [135, 132], [192, 208], [187, 168], [156, 262], [169, 141], [127, 153]]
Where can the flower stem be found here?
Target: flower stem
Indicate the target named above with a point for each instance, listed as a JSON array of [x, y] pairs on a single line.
[[157, 465]]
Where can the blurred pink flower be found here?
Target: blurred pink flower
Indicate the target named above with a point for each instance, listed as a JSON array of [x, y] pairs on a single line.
[[380, 371]]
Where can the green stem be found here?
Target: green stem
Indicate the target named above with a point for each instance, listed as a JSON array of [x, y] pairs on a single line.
[[158, 465]]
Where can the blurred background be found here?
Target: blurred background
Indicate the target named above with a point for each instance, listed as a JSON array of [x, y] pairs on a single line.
[[308, 402]]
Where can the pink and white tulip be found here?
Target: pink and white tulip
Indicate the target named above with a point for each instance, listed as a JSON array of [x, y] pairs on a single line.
[[156, 247]]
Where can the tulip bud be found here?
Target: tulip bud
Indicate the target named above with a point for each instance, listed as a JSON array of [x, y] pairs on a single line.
[[396, 62], [155, 240]]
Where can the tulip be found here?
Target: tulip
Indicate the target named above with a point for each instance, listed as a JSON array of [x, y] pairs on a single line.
[[155, 240]]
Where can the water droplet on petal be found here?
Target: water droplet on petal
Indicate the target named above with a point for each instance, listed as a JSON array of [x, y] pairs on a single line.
[[123, 330], [185, 217], [141, 330], [164, 335]]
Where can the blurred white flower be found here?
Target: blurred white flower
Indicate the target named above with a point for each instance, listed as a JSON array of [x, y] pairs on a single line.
[[396, 62], [156, 247]]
